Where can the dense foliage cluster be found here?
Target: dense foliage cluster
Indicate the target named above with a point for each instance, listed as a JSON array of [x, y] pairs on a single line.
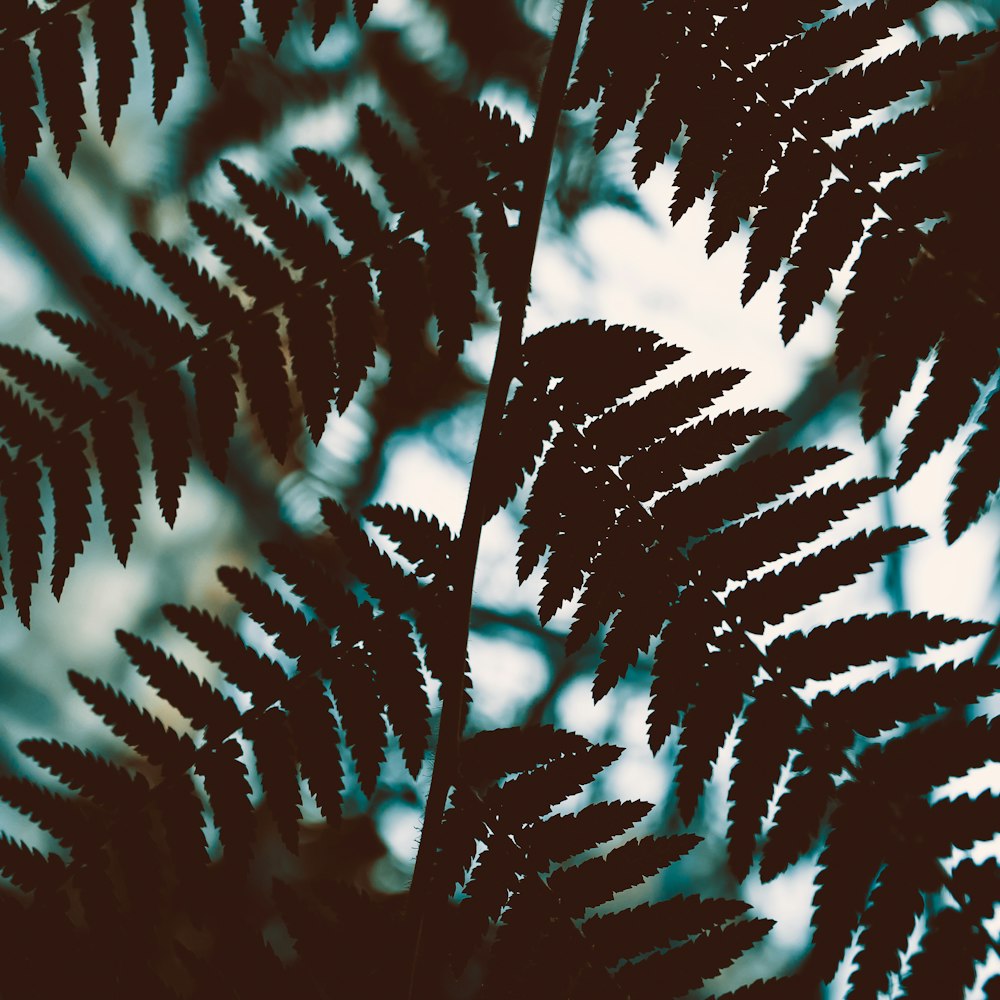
[[172, 870]]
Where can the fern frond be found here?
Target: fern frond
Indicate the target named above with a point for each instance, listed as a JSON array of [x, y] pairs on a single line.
[[355, 325], [709, 720], [27, 868], [118, 469], [385, 580], [274, 17], [849, 863], [963, 364], [57, 815], [300, 239], [792, 588], [322, 319], [948, 748], [23, 511], [18, 100], [524, 431], [61, 55], [534, 920], [803, 806], [695, 447], [350, 676], [953, 947], [492, 754], [830, 649], [102, 780], [393, 656], [310, 344], [146, 324], [222, 23], [156, 742], [731, 553], [790, 193], [740, 491], [893, 908], [595, 881], [422, 539], [764, 114], [260, 677], [206, 707], [692, 541], [165, 407], [263, 367], [451, 260], [827, 240], [105, 356], [180, 807], [407, 189], [298, 636], [61, 63], [405, 299], [168, 46], [275, 754], [955, 944], [764, 738], [345, 200], [628, 933], [60, 392], [214, 371], [229, 794], [114, 45], [248, 263], [687, 966], [317, 737], [878, 277], [535, 793], [565, 835], [974, 479], [640, 423], [325, 14], [363, 10], [497, 242], [319, 587]]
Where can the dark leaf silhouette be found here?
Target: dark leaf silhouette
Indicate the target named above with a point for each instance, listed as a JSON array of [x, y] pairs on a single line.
[[325, 13], [168, 45], [164, 405], [262, 364], [214, 371], [69, 478], [346, 201], [274, 18], [230, 844], [61, 65], [118, 467], [24, 525], [114, 44], [310, 343], [277, 764], [223, 26], [975, 480], [19, 97], [299, 238]]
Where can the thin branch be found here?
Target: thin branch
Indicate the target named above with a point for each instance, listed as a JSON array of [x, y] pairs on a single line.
[[525, 237]]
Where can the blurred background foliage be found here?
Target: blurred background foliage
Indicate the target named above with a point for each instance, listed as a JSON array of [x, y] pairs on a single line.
[[606, 250]]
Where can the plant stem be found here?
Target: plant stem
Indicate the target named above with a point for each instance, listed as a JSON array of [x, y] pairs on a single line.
[[522, 249]]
